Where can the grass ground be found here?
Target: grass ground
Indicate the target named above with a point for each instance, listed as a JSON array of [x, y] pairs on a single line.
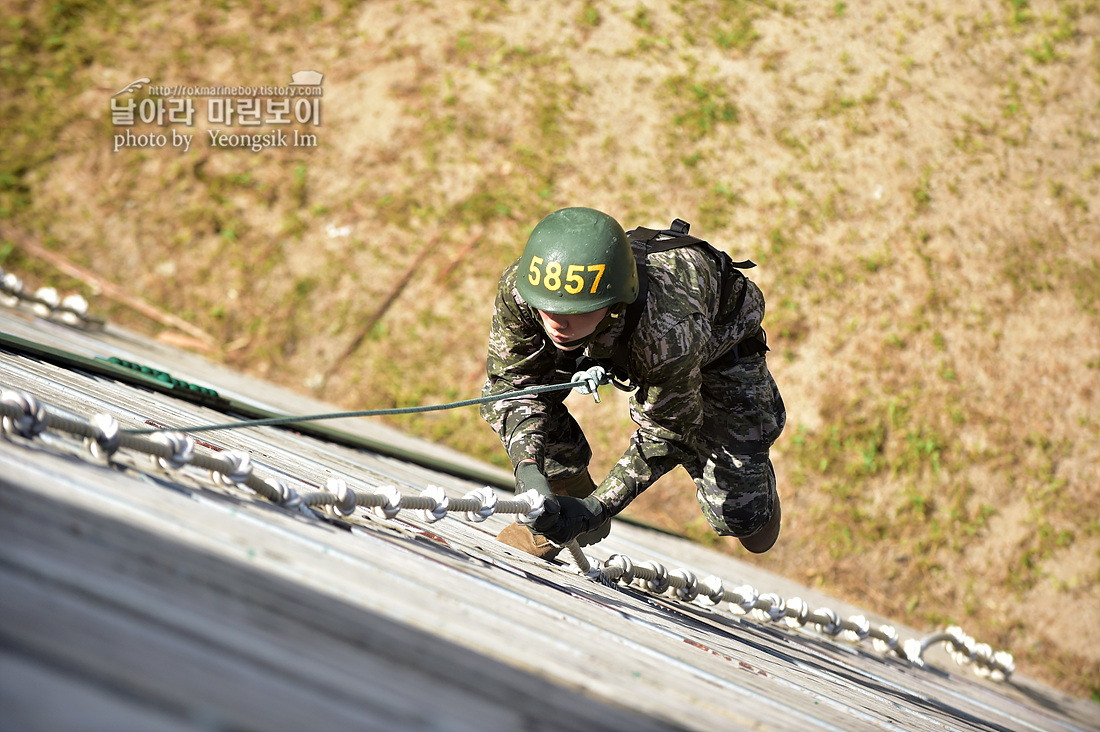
[[918, 181]]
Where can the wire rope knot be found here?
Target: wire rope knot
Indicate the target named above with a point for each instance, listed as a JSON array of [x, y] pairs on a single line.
[[888, 642], [856, 629], [713, 588], [798, 612], [961, 647], [74, 308], [913, 650], [11, 286], [47, 301], [983, 656], [486, 499], [284, 495], [770, 606], [345, 496], [391, 504], [746, 599], [107, 439], [536, 503], [690, 589], [442, 503], [831, 624], [239, 469], [31, 422], [181, 449], [625, 565], [1003, 666], [659, 584]]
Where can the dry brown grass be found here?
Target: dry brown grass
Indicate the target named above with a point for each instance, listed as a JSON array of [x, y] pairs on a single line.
[[918, 181]]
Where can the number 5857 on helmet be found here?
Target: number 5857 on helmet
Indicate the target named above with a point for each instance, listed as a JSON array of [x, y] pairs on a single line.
[[577, 260]]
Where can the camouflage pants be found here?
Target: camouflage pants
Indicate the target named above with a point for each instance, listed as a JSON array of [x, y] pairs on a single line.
[[743, 414]]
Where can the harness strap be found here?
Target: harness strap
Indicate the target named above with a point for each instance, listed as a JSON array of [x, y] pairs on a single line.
[[644, 242]]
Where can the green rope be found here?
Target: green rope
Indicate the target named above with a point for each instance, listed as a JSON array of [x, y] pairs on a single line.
[[271, 421]]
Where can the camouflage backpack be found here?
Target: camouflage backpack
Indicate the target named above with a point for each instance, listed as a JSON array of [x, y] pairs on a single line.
[[644, 242]]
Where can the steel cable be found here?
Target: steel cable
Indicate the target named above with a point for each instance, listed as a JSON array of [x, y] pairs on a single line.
[[582, 381]]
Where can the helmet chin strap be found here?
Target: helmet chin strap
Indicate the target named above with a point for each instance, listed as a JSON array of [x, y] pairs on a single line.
[[571, 345]]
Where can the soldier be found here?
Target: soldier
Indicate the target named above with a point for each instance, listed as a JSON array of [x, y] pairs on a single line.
[[667, 315]]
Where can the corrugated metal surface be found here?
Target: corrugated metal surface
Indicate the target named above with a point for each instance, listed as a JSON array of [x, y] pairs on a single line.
[[137, 598]]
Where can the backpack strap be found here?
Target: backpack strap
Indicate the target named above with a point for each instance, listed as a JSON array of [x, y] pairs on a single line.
[[620, 371], [644, 242]]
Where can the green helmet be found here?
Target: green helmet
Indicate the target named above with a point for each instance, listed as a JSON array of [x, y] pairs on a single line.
[[577, 260]]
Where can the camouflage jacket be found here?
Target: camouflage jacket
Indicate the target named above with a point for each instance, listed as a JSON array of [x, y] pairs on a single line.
[[680, 332]]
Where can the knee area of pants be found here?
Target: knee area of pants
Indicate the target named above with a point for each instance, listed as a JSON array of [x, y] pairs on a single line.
[[748, 528], [722, 530], [741, 527], [738, 517]]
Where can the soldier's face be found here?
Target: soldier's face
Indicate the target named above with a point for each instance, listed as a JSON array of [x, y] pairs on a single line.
[[564, 329]]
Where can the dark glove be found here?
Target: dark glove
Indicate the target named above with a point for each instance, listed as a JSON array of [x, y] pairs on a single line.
[[528, 476], [564, 518]]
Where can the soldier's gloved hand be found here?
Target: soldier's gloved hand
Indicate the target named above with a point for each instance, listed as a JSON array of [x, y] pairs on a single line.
[[572, 517], [528, 477]]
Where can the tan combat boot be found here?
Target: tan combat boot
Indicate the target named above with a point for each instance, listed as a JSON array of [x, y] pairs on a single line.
[[518, 536]]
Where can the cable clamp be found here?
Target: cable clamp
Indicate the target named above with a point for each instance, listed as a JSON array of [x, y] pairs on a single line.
[[593, 378]]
